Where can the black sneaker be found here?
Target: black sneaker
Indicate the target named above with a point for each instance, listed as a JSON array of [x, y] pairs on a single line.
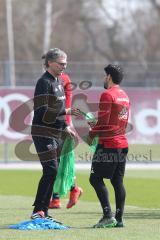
[[52, 219], [106, 222], [119, 224], [39, 214]]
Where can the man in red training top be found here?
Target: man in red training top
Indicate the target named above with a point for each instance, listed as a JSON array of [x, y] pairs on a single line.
[[110, 156], [75, 191]]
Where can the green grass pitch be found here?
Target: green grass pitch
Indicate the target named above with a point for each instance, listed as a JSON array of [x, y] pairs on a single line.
[[142, 212]]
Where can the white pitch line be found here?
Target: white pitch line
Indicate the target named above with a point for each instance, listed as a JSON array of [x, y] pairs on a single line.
[[79, 166]]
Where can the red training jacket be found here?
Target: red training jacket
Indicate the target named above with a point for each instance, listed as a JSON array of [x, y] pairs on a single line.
[[112, 118]]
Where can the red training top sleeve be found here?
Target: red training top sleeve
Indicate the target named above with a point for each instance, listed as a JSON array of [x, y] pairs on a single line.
[[104, 112], [68, 93]]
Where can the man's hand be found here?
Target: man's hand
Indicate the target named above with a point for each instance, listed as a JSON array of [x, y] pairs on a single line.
[[68, 111], [73, 111], [91, 124], [89, 140], [70, 131]]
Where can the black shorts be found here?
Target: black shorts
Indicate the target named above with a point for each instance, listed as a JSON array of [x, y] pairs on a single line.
[[48, 149], [107, 162]]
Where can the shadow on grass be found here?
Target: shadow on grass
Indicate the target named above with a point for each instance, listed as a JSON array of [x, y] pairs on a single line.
[[141, 214]]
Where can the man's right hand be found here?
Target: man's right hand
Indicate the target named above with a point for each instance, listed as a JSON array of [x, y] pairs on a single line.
[[76, 112], [92, 124]]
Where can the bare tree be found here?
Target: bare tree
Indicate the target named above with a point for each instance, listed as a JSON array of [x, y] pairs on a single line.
[[118, 34], [87, 30]]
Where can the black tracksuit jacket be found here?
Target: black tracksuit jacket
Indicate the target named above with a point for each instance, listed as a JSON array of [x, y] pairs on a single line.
[[49, 103]]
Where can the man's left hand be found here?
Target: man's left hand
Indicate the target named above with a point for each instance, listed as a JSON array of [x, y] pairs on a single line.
[[71, 132], [89, 140]]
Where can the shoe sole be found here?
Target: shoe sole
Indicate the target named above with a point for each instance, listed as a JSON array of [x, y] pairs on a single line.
[[119, 226], [54, 207], [36, 218]]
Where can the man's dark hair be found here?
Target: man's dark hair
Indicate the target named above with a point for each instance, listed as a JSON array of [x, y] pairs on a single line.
[[116, 73]]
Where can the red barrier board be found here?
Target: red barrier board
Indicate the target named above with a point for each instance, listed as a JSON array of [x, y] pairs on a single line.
[[144, 117]]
